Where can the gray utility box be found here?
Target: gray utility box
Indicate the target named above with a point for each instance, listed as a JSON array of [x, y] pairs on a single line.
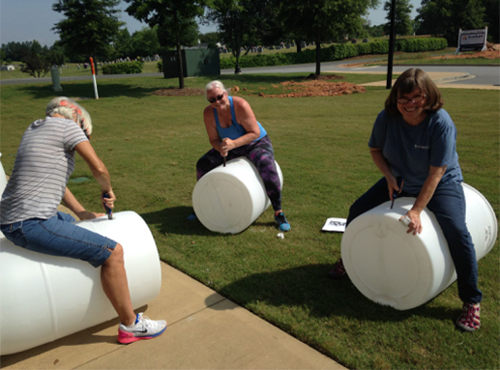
[[195, 62]]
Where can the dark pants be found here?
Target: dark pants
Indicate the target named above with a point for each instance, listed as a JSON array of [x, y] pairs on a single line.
[[261, 154], [448, 205]]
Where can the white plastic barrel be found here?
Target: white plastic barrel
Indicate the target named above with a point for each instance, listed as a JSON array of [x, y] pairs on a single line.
[[44, 298], [3, 178], [3, 184], [402, 270], [229, 199]]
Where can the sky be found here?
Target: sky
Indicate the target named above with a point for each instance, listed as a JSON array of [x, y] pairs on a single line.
[[28, 20]]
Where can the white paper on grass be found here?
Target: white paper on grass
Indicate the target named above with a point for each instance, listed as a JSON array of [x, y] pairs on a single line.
[[334, 224]]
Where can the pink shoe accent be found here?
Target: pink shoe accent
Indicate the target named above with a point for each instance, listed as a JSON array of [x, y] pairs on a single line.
[[126, 338]]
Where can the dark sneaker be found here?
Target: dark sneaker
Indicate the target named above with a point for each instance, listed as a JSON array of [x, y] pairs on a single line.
[[338, 271], [192, 217], [143, 328], [469, 319], [282, 222]]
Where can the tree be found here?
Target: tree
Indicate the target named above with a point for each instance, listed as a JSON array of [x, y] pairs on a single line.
[[145, 42], [446, 17], [491, 18], [17, 50], [210, 38], [323, 20], [173, 18], [2, 56], [404, 23], [188, 34], [90, 26], [122, 44], [245, 23], [35, 64]]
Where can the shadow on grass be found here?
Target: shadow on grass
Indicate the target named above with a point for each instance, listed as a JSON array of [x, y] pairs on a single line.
[[174, 221], [309, 287], [262, 78], [86, 90]]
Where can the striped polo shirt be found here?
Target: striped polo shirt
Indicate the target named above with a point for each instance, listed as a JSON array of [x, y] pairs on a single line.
[[44, 162]]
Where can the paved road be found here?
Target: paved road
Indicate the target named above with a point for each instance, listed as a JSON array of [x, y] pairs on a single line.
[[483, 75]]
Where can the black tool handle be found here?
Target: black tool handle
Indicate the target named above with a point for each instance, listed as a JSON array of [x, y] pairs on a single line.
[[109, 211]]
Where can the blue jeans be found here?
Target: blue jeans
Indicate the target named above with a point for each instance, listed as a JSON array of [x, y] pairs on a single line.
[[58, 236], [448, 205]]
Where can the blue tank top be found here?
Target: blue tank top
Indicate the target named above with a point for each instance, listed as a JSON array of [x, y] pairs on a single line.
[[235, 130]]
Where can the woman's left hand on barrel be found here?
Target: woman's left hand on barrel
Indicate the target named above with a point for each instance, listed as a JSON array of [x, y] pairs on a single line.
[[415, 225]]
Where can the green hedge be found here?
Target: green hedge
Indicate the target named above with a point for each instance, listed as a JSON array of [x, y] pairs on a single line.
[[335, 52], [123, 68], [414, 45]]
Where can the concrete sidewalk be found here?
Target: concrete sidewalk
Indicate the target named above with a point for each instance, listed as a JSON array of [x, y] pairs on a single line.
[[205, 331]]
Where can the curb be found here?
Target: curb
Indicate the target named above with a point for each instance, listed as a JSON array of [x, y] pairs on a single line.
[[465, 76]]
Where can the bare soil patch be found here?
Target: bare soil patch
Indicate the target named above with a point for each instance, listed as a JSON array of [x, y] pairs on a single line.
[[187, 91], [310, 88]]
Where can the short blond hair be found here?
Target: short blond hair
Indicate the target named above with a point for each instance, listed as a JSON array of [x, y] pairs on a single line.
[[67, 107]]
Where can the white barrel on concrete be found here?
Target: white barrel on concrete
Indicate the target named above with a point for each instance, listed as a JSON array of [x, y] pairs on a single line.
[[44, 298], [229, 199], [402, 270]]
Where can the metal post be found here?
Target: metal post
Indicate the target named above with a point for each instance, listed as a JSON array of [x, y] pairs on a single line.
[[392, 41]]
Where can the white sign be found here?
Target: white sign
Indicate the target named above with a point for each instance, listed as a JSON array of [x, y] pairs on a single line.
[[334, 224], [472, 40]]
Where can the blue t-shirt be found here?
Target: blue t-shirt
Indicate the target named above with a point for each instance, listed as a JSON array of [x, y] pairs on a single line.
[[411, 150], [235, 130]]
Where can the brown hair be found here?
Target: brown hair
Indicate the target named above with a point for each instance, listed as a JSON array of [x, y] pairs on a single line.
[[408, 81]]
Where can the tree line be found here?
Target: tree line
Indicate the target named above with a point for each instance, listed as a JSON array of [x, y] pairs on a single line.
[[91, 28]]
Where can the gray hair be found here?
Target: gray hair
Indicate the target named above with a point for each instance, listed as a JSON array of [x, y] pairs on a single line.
[[67, 107], [215, 85]]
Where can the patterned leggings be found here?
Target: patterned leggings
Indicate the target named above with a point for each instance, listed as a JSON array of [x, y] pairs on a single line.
[[261, 154]]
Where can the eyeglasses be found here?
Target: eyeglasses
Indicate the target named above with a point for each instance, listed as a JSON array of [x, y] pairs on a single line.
[[219, 97], [415, 99]]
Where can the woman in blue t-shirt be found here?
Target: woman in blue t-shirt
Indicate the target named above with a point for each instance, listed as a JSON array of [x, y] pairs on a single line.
[[234, 132], [413, 143]]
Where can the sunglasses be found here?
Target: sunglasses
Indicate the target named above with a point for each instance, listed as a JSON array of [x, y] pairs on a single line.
[[219, 97]]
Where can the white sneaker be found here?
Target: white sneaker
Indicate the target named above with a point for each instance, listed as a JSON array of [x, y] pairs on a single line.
[[143, 328]]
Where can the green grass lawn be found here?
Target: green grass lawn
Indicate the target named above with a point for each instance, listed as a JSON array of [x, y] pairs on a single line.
[[151, 144], [69, 69]]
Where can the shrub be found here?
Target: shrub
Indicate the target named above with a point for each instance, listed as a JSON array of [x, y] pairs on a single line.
[[335, 52], [379, 47], [414, 45], [123, 68]]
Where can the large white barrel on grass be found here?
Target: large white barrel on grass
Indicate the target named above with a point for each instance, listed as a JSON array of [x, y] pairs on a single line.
[[3, 184], [228, 199], [44, 298], [402, 270], [3, 178]]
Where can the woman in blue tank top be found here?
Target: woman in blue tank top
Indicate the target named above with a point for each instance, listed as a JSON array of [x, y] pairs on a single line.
[[234, 132]]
